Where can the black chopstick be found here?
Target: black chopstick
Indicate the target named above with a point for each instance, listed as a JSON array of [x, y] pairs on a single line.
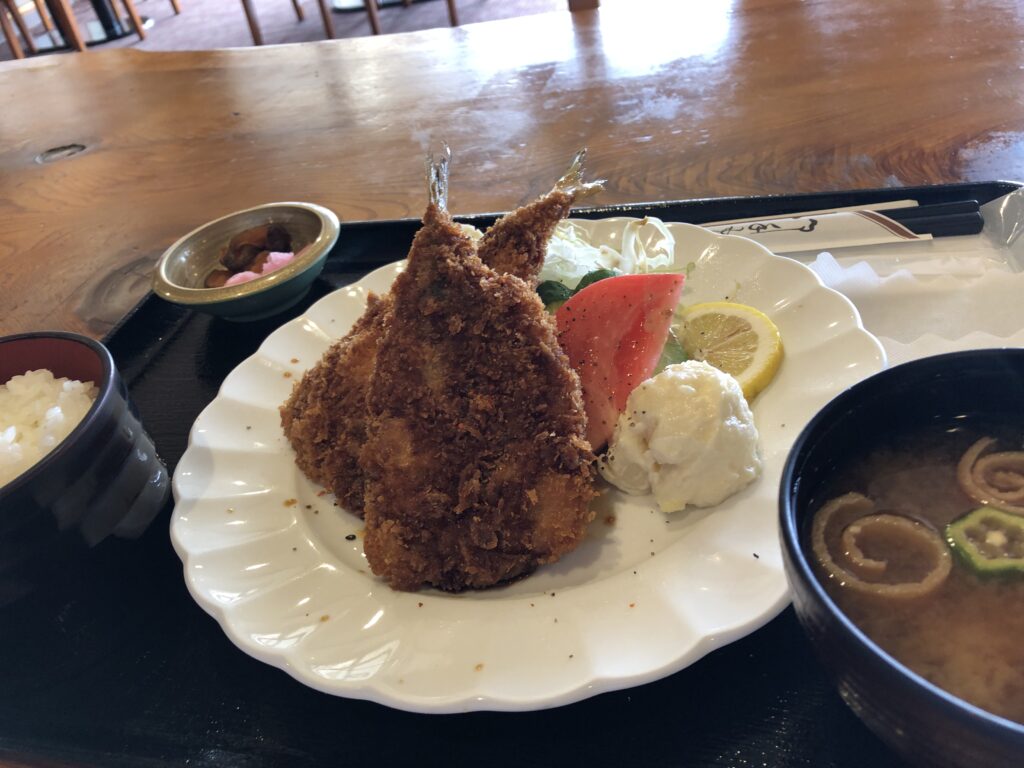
[[962, 217]]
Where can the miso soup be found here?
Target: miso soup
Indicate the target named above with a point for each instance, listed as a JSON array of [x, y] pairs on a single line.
[[899, 547]]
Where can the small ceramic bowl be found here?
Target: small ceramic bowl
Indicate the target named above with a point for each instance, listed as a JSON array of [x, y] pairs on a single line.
[[924, 723], [104, 478], [182, 270]]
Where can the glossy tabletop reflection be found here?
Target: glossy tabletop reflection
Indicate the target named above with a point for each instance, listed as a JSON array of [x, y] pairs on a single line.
[[108, 157]]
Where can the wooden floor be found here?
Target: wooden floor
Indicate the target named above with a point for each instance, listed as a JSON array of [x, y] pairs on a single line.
[[205, 24]]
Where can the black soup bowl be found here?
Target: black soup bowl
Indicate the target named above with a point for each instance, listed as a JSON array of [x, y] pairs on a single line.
[[103, 479], [924, 723]]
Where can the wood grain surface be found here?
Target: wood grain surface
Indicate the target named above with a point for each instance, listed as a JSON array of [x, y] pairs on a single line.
[[674, 100]]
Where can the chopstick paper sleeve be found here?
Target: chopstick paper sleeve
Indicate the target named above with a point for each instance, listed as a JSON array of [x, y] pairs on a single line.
[[824, 231]]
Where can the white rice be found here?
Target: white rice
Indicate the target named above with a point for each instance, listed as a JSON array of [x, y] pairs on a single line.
[[37, 411]]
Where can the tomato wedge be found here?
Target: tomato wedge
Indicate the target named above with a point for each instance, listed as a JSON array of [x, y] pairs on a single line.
[[613, 332]]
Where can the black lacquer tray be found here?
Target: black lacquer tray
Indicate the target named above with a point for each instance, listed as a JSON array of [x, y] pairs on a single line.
[[119, 667]]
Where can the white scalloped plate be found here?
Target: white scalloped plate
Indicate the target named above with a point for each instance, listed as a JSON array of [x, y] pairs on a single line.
[[646, 594]]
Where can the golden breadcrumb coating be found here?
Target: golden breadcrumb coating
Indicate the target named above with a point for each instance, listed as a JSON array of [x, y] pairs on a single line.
[[517, 243], [476, 465], [325, 419], [325, 416]]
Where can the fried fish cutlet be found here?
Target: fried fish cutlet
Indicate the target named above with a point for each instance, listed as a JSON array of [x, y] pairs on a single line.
[[325, 416], [476, 465], [517, 243]]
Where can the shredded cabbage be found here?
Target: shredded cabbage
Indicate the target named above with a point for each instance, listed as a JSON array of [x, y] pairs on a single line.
[[571, 255], [658, 255], [473, 233]]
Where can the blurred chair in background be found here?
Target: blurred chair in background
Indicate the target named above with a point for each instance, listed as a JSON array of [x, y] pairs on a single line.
[[133, 14], [254, 25], [63, 22], [372, 13], [11, 7]]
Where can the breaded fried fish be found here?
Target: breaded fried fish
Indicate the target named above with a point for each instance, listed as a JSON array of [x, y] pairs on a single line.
[[476, 466], [517, 243], [325, 417]]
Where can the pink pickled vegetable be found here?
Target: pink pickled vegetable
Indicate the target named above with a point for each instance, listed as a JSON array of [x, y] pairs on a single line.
[[275, 260]]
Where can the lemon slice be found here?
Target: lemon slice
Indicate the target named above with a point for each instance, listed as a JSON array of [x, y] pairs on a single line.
[[736, 339]]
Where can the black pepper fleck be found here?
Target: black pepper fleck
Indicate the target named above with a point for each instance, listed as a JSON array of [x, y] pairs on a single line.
[[352, 537]]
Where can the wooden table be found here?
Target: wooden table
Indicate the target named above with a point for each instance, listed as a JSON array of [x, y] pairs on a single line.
[[106, 158], [733, 98]]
